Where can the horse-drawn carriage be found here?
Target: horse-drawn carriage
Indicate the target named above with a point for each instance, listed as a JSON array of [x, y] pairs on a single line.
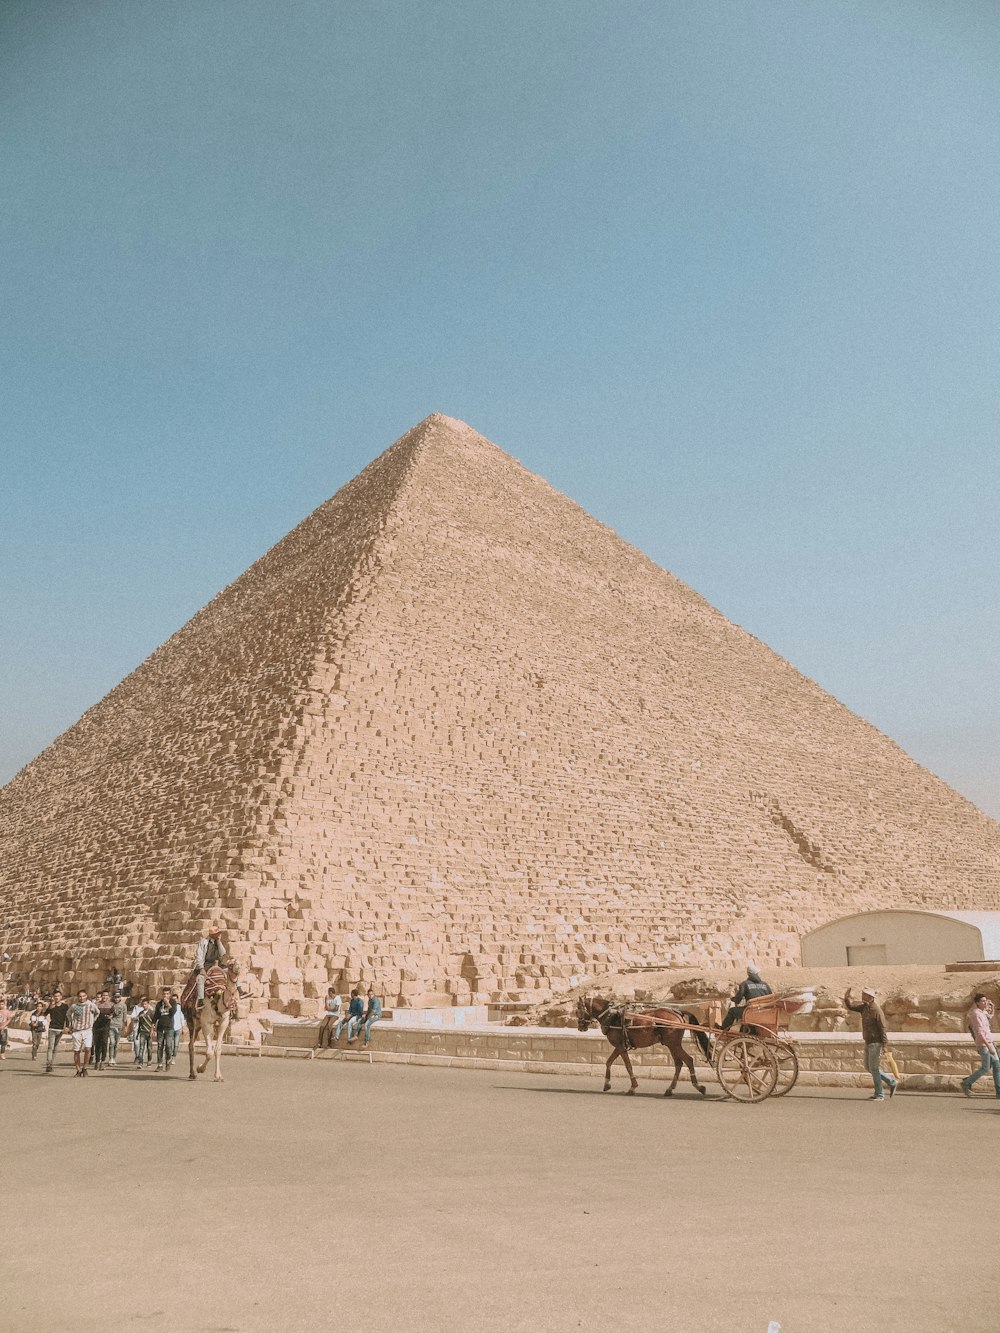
[[752, 1061]]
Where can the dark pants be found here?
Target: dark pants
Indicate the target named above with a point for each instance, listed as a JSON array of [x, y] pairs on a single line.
[[732, 1016], [102, 1038], [326, 1037], [164, 1046]]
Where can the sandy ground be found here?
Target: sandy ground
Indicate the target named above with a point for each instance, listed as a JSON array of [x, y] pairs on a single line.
[[314, 1196]]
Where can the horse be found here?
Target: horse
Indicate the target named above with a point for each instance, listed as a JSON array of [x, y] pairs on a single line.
[[641, 1028], [212, 1021]]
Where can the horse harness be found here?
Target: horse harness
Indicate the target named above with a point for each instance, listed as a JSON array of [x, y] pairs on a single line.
[[616, 1016]]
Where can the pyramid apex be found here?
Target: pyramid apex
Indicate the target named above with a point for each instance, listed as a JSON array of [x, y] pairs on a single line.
[[442, 422], [442, 419], [443, 434]]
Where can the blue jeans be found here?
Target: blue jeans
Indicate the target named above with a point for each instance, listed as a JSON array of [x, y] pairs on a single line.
[[367, 1025], [989, 1061], [113, 1038], [52, 1046], [873, 1054], [164, 1046]]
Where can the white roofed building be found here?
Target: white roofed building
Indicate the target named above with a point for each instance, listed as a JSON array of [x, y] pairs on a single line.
[[903, 935]]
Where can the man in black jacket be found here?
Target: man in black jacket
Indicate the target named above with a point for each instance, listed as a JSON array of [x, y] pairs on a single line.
[[56, 1014], [751, 989], [163, 1020]]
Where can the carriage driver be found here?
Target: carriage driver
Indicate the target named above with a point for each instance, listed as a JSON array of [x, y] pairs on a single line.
[[751, 989], [211, 953]]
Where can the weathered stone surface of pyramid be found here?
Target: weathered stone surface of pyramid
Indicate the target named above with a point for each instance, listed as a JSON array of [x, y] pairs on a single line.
[[454, 735]]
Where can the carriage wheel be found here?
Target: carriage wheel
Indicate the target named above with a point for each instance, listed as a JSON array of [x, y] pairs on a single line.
[[788, 1068], [747, 1069]]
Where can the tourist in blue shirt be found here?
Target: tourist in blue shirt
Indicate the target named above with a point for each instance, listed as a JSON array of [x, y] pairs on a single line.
[[355, 1013], [372, 1014]]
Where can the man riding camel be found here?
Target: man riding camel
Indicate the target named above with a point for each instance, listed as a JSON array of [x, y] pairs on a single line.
[[211, 953]]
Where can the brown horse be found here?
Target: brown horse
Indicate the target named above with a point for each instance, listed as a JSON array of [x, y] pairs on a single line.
[[626, 1028]]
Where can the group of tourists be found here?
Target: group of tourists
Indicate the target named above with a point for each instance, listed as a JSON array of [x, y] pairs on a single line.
[[361, 1012], [95, 1027]]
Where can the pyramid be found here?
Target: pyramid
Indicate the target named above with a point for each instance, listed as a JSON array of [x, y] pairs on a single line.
[[454, 736]]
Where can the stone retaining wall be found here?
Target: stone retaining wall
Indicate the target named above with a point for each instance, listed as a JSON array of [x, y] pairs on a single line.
[[825, 1059]]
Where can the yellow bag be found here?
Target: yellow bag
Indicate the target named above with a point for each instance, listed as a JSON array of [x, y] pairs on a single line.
[[893, 1068]]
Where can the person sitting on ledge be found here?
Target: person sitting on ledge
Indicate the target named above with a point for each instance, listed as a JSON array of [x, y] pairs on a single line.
[[751, 989], [371, 1015], [355, 1013], [331, 1019]]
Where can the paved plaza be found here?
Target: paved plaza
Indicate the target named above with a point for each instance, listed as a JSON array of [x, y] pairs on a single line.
[[305, 1195]]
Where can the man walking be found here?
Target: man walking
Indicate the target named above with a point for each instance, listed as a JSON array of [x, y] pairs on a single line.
[[6, 1014], [56, 1014], [978, 1019], [36, 1025], [81, 1017], [874, 1035], [102, 1030], [119, 1013], [140, 1027], [178, 1024], [163, 1020]]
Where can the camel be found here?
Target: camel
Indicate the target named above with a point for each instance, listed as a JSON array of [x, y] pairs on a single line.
[[212, 1021]]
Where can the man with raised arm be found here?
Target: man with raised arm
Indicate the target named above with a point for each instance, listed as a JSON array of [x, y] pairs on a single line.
[[875, 1037]]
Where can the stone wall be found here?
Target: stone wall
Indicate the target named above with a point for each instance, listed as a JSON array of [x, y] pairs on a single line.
[[927, 1063]]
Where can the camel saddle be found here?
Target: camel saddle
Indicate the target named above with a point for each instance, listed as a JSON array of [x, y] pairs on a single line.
[[215, 981]]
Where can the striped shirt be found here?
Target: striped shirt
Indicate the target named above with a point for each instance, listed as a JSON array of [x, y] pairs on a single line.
[[81, 1016]]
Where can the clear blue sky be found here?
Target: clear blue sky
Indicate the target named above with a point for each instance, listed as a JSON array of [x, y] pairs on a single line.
[[725, 273]]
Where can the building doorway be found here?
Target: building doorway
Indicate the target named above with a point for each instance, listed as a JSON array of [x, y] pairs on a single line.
[[866, 955]]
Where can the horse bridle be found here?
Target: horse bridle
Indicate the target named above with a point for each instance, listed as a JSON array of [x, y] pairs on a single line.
[[583, 1012]]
